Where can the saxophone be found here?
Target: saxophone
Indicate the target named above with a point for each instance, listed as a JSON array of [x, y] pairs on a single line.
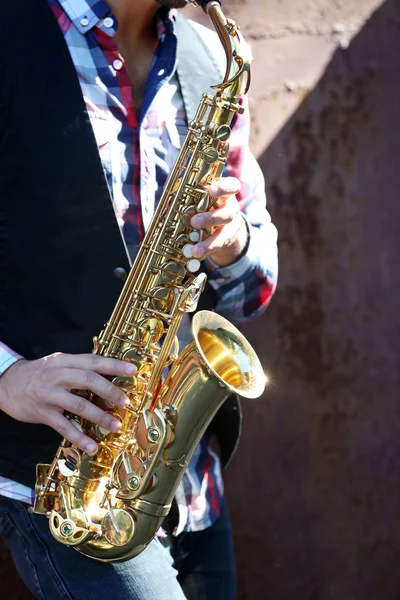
[[109, 506]]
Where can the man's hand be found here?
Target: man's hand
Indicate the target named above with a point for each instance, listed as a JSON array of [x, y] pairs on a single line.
[[39, 391], [229, 234]]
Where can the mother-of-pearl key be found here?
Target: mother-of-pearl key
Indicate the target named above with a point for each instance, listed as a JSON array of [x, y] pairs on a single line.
[[194, 236], [187, 250], [193, 265]]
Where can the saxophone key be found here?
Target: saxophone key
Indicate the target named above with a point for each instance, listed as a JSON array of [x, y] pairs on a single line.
[[72, 531], [204, 203], [126, 384], [221, 132], [94, 467], [172, 272], [131, 356], [194, 236], [118, 527], [65, 468], [70, 462], [187, 213], [149, 330], [161, 298], [193, 265], [210, 155], [187, 250]]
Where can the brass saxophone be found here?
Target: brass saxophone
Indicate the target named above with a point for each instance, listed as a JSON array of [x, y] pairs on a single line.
[[109, 506]]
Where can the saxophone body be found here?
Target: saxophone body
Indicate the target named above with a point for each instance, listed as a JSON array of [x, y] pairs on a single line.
[[109, 506]]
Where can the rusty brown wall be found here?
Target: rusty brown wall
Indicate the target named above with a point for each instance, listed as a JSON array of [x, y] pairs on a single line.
[[315, 487]]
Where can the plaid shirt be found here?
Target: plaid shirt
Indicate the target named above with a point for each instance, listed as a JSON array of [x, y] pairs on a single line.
[[137, 153]]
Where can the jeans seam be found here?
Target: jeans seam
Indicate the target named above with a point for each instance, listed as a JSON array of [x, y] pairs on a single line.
[[51, 567]]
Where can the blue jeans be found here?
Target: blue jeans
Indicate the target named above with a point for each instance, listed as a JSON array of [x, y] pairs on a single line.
[[195, 566]]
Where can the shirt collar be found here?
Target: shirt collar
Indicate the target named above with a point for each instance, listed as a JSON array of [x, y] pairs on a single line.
[[86, 14]]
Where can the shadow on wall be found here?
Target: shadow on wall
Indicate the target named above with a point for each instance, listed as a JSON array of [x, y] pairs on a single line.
[[315, 487]]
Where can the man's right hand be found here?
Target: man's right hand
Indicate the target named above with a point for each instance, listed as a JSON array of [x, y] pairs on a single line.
[[39, 391]]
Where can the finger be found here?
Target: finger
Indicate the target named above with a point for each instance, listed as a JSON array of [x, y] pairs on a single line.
[[80, 379], [220, 239], [92, 362], [67, 430], [227, 186], [219, 216], [78, 405]]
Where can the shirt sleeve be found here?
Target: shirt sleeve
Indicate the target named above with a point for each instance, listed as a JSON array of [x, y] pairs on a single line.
[[244, 288], [7, 357]]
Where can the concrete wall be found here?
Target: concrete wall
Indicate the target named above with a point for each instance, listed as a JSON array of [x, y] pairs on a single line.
[[314, 490]]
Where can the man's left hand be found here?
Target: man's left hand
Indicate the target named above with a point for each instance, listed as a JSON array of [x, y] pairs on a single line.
[[229, 234]]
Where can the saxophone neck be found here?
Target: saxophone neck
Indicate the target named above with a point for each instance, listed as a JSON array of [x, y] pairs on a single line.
[[238, 53]]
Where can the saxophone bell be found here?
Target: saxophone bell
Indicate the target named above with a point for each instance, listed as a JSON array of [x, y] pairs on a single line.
[[217, 363]]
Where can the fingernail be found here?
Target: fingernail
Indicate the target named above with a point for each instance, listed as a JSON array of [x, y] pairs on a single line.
[[130, 369], [197, 221], [125, 400], [91, 448], [198, 251], [115, 425]]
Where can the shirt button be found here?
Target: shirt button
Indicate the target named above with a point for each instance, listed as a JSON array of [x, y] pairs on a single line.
[[120, 274], [108, 22], [161, 72], [84, 22], [117, 64]]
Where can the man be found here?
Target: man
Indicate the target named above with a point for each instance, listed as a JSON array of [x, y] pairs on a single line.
[[94, 103]]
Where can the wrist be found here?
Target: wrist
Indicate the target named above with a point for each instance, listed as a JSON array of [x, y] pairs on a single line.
[[8, 357], [17, 360], [237, 248], [4, 380]]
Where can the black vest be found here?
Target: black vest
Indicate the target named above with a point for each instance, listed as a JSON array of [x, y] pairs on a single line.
[[60, 242]]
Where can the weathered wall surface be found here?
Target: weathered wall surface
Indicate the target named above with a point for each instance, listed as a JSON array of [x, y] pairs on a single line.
[[315, 487], [314, 490]]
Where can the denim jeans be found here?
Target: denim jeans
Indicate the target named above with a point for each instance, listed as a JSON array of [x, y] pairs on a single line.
[[195, 566]]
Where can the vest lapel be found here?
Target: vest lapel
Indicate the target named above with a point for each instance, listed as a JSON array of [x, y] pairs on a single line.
[[201, 62]]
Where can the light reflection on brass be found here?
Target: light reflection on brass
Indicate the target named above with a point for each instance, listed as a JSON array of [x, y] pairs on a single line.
[[112, 504]]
